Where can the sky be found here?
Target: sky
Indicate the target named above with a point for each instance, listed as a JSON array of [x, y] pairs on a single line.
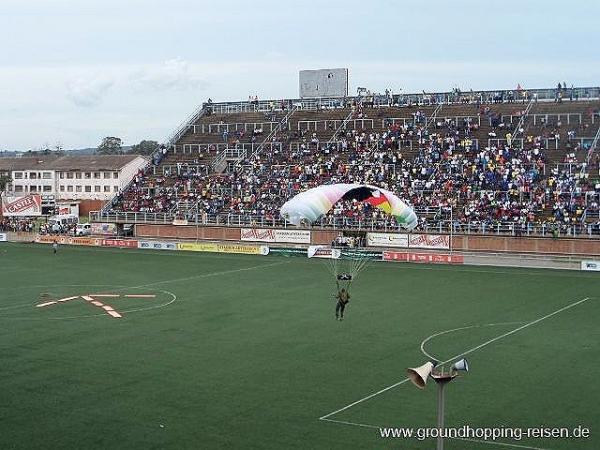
[[75, 71]]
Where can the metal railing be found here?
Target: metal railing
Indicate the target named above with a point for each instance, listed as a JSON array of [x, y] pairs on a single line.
[[380, 100], [519, 128], [342, 126], [593, 146], [350, 223], [181, 168], [268, 140], [357, 124], [185, 125], [545, 118], [219, 128]]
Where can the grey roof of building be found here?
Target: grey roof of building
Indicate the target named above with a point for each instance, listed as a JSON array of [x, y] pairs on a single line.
[[8, 164], [67, 163]]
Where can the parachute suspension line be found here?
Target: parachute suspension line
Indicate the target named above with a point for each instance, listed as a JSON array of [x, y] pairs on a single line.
[[332, 265], [359, 264]]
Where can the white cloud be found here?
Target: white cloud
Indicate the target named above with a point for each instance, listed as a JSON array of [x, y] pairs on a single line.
[[88, 92], [171, 75]]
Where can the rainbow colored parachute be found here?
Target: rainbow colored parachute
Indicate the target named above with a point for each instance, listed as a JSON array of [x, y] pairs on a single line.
[[308, 206]]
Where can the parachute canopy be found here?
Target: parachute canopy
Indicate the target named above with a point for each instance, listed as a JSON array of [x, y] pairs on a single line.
[[312, 204]]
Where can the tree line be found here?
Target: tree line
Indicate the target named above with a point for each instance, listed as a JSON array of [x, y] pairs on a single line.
[[111, 145]]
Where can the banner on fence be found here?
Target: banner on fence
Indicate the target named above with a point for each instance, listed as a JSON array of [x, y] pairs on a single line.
[[27, 205], [590, 265], [223, 248], [66, 240], [272, 235], [321, 251], [387, 240], [430, 241], [429, 258], [157, 245], [49, 239], [3, 237], [122, 243], [104, 229], [401, 240]]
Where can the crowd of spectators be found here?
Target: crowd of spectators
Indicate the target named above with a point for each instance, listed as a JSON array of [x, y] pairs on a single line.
[[16, 224], [57, 228], [435, 165], [28, 224]]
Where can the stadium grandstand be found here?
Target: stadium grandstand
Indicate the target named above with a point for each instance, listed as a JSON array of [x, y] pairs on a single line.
[[403, 253], [518, 162]]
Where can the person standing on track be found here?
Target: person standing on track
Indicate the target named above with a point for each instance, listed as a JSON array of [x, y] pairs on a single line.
[[343, 297]]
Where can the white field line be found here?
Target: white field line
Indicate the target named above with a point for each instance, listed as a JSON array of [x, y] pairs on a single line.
[[207, 275], [441, 333], [563, 273], [500, 443], [343, 422], [503, 444], [168, 253], [466, 352], [42, 305], [122, 288]]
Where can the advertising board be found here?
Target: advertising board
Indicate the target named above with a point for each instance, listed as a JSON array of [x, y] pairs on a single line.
[[66, 240], [104, 229], [214, 247], [590, 265], [27, 205], [157, 245], [121, 243], [322, 251], [402, 240], [428, 258], [273, 235]]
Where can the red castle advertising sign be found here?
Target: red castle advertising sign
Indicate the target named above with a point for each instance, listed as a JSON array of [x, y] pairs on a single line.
[[28, 205]]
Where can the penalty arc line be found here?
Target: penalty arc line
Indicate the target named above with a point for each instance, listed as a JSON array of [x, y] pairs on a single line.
[[441, 333], [488, 342], [122, 288]]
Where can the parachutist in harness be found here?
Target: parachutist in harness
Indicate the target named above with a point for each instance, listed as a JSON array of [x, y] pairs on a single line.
[[342, 296]]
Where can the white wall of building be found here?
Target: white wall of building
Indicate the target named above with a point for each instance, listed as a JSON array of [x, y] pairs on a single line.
[[76, 184], [33, 181]]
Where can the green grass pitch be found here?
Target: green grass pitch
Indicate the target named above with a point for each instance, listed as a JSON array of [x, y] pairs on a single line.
[[243, 352]]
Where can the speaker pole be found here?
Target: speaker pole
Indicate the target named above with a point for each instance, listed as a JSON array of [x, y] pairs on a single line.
[[419, 375], [440, 416], [441, 379]]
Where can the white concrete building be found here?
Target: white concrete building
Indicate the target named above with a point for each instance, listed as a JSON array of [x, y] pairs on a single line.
[[92, 179]]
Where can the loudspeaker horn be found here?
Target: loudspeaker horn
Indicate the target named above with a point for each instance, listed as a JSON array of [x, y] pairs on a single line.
[[461, 365], [419, 375]]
